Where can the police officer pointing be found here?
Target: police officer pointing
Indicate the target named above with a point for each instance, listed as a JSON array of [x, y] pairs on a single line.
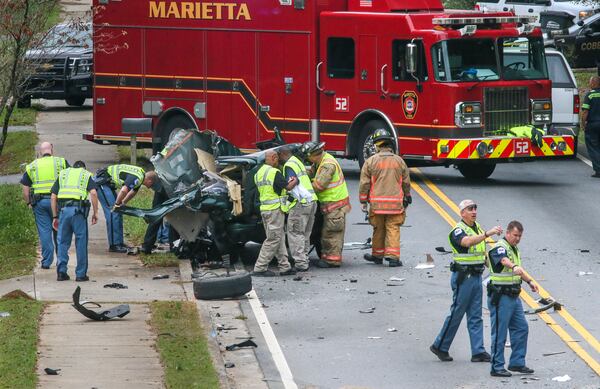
[[467, 241], [70, 208], [506, 310], [37, 181]]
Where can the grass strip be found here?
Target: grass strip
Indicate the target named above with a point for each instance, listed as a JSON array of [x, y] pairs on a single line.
[[18, 341], [182, 345], [21, 116], [18, 234], [18, 150], [142, 155]]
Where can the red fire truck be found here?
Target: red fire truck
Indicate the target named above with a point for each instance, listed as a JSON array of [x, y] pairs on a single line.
[[446, 83]]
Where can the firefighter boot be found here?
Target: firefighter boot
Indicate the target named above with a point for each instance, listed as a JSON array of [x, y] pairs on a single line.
[[393, 262], [371, 258]]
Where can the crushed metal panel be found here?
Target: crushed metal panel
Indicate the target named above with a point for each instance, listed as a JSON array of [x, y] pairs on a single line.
[[187, 222]]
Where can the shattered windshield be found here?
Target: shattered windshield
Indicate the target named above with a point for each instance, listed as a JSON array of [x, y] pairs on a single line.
[[512, 58]]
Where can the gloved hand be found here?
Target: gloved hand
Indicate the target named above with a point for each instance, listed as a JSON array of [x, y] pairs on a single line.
[[364, 207], [407, 201]]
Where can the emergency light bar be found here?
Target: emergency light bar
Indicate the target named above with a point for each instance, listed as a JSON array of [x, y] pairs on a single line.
[[487, 20]]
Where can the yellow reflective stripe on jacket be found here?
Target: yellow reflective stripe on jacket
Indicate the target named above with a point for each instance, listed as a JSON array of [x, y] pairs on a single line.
[[114, 171], [506, 276], [73, 184], [475, 254], [336, 190], [300, 172], [264, 179], [43, 172]]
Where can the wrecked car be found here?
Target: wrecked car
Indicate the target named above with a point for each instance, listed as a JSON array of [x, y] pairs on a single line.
[[213, 201]]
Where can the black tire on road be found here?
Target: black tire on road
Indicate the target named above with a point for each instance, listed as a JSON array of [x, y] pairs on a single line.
[[211, 287], [366, 132], [477, 171], [24, 102], [75, 101]]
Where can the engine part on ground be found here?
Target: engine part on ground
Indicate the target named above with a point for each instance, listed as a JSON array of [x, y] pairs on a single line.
[[118, 311], [245, 343]]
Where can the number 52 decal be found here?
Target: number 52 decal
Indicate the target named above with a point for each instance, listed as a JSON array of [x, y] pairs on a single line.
[[522, 147], [342, 104]]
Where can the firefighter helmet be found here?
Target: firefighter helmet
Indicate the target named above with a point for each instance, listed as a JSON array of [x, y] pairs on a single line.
[[382, 135], [311, 147]]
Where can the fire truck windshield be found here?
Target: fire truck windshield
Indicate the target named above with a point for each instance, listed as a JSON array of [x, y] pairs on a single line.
[[468, 60]]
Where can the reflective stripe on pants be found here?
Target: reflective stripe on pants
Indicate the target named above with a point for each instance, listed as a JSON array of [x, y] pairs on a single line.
[[332, 236], [386, 234]]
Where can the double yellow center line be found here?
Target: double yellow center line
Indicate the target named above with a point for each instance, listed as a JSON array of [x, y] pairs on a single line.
[[564, 313]]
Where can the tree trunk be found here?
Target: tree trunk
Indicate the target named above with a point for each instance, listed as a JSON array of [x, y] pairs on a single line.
[[9, 111]]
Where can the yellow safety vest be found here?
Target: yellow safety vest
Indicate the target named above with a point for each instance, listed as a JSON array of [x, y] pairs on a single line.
[[475, 254], [43, 172], [300, 171], [73, 184], [336, 190], [269, 200], [506, 276], [114, 171]]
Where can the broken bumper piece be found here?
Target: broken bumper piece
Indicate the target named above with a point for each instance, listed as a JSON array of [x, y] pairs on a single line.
[[118, 311]]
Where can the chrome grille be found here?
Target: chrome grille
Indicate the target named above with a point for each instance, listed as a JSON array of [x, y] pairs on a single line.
[[50, 66], [505, 108]]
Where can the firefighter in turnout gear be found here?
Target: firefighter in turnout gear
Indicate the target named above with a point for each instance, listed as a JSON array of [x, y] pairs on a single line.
[[127, 179], [273, 199], [332, 193], [70, 209], [467, 241], [385, 186], [301, 208], [506, 310], [36, 183]]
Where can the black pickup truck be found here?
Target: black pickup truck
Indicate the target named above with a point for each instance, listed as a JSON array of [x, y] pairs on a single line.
[[63, 66], [579, 43]]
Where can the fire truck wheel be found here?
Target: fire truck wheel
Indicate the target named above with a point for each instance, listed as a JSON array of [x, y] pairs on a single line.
[[365, 142], [476, 171], [75, 101]]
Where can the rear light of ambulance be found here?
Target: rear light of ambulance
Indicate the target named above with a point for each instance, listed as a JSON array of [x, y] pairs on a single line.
[[576, 104]]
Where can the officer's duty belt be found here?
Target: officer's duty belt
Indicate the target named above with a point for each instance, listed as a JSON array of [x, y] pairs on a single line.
[[509, 290], [469, 269]]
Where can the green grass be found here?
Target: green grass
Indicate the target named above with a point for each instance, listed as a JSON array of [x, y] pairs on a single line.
[[18, 342], [18, 150], [583, 79], [54, 17], [21, 116], [135, 228], [143, 156], [182, 346], [18, 234]]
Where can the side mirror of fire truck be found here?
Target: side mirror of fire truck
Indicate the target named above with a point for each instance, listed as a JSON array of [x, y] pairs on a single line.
[[411, 61]]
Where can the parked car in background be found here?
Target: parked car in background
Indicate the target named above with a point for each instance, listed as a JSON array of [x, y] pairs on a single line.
[[62, 66], [578, 10], [579, 43]]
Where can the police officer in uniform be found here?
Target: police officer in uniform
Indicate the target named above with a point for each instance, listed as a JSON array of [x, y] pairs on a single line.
[[301, 210], [70, 208], [506, 310], [273, 198], [128, 179], [467, 241], [385, 186], [591, 123], [36, 183], [332, 193]]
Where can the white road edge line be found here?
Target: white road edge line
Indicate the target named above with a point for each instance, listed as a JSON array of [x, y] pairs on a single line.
[[584, 160], [271, 340]]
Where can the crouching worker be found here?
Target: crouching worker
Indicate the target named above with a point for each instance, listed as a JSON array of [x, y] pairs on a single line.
[[70, 201]]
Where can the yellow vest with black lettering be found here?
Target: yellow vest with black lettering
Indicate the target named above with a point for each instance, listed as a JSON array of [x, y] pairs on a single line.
[[114, 171], [73, 184], [43, 172], [506, 276], [336, 190], [475, 254], [300, 171], [269, 200]]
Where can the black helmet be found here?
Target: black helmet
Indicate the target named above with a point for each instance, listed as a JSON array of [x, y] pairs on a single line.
[[381, 135], [311, 147]]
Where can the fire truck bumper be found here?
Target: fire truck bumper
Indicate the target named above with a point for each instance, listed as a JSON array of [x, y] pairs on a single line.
[[505, 148]]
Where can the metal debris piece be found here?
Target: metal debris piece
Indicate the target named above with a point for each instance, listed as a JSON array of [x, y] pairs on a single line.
[[353, 281], [50, 371], [442, 250], [563, 378], [358, 245], [370, 310], [392, 330], [422, 266], [118, 311], [584, 273], [556, 353], [397, 279], [584, 251], [371, 292], [116, 285], [428, 258], [160, 277], [298, 278], [547, 303], [374, 337], [245, 343], [229, 365]]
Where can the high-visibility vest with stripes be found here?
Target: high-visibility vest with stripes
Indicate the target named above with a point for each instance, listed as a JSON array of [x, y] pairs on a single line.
[[114, 171], [336, 190], [300, 171], [43, 172], [475, 254], [269, 200], [73, 184], [506, 276]]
